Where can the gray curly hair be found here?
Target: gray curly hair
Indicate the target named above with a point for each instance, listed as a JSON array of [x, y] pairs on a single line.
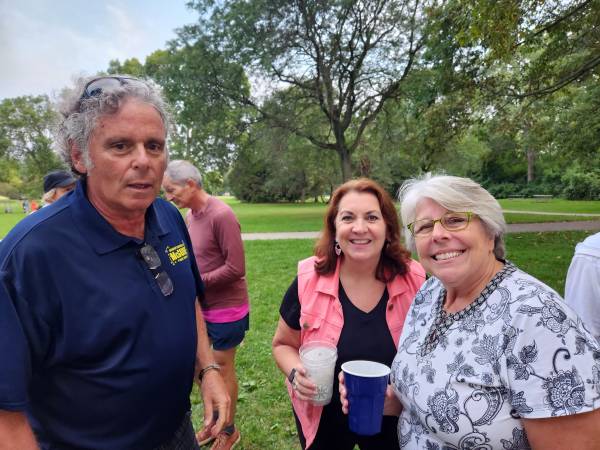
[[80, 112]]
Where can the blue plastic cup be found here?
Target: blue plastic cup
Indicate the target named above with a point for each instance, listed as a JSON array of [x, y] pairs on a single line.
[[366, 383]]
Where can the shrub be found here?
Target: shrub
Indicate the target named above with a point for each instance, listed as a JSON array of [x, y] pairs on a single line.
[[507, 190], [581, 186], [504, 190], [9, 191]]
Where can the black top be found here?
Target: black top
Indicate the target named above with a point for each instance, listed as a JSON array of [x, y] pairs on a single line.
[[364, 336]]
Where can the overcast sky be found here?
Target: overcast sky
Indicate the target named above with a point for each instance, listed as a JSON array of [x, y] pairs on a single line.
[[44, 44]]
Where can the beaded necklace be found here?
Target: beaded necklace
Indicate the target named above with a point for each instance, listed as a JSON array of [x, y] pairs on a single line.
[[443, 320]]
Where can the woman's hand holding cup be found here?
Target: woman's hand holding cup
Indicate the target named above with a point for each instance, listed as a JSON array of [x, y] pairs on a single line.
[[303, 387], [391, 405], [343, 392]]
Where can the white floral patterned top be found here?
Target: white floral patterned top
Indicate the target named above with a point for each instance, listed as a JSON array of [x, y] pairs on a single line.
[[465, 379]]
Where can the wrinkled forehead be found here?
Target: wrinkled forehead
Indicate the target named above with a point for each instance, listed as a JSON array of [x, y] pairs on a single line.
[[126, 106], [131, 109]]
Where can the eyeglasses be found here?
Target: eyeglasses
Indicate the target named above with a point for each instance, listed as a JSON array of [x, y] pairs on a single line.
[[152, 260], [99, 85], [451, 221]]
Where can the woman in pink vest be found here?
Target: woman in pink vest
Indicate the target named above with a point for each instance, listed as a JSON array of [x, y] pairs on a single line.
[[354, 293]]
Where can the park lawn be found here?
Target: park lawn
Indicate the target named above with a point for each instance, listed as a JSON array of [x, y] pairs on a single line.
[[309, 216], [276, 217], [546, 256], [264, 411], [279, 217], [556, 205], [8, 221], [536, 218]]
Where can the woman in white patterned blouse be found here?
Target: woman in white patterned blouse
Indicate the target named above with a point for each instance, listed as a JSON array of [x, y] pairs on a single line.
[[489, 357]]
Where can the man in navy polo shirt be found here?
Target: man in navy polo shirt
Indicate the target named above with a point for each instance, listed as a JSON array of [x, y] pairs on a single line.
[[101, 334]]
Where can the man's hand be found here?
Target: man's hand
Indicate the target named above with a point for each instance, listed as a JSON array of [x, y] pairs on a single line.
[[216, 401]]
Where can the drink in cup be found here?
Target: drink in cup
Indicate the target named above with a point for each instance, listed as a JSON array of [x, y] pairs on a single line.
[[366, 383], [318, 358]]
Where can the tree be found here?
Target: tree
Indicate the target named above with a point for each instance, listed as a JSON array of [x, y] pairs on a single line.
[[25, 139], [524, 53], [10, 182], [208, 125], [347, 58], [542, 45], [275, 165], [576, 128], [130, 66]]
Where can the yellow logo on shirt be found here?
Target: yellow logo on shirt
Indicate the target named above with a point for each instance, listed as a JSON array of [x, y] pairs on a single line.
[[177, 253]]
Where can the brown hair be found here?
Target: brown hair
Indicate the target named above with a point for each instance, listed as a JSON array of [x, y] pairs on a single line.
[[394, 257]]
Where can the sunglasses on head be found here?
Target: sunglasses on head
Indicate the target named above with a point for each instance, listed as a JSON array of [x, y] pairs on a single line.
[[104, 84]]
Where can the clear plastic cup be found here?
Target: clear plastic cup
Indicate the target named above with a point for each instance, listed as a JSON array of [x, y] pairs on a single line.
[[318, 358]]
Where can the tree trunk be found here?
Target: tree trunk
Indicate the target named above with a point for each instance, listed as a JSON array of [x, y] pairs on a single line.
[[530, 165], [345, 162], [365, 166]]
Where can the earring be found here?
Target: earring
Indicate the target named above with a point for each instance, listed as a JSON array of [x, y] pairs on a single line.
[[337, 248]]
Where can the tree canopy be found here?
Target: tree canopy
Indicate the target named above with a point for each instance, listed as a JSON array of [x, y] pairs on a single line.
[[283, 99], [346, 58], [26, 142]]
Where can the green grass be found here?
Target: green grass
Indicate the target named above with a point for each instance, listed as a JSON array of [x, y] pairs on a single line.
[[279, 217], [536, 218], [264, 411], [546, 256], [8, 221], [262, 217], [556, 205]]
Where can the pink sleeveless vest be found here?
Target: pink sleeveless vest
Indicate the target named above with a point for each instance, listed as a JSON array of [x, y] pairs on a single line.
[[321, 319]]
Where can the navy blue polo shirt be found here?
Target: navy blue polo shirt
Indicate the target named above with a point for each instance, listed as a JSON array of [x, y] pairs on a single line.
[[91, 349]]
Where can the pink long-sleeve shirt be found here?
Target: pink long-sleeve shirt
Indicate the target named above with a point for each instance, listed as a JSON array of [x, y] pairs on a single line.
[[219, 251]]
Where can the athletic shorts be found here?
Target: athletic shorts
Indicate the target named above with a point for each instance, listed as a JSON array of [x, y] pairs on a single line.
[[224, 336]]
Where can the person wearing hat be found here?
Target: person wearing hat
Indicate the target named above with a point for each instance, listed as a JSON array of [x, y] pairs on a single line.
[[56, 184]]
